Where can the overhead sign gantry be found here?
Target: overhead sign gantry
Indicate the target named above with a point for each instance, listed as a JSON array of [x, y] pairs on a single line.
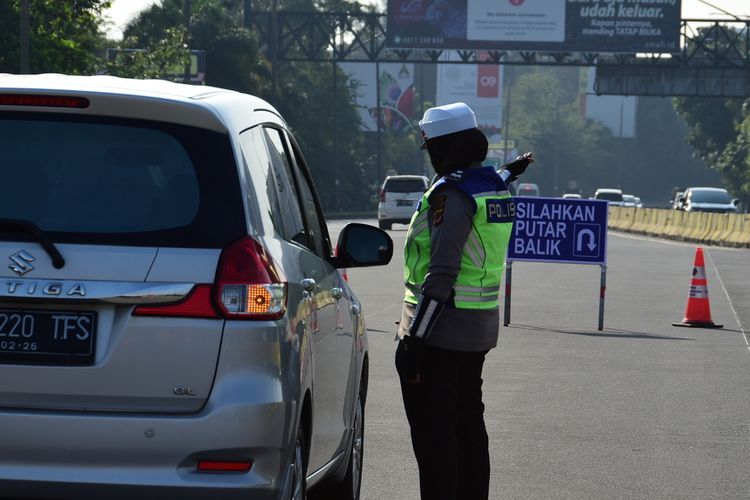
[[640, 48]]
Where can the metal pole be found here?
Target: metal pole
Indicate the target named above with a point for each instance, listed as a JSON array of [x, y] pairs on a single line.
[[25, 36], [335, 135], [622, 146], [379, 164], [422, 168], [602, 291], [272, 48], [508, 278], [557, 143], [186, 13], [506, 128]]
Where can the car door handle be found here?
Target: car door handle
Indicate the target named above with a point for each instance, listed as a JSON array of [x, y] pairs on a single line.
[[308, 284], [337, 293]]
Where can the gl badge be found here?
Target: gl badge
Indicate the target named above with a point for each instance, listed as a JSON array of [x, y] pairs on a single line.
[[21, 262], [183, 391]]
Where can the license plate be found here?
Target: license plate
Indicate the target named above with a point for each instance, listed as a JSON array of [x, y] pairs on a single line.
[[47, 337], [404, 203]]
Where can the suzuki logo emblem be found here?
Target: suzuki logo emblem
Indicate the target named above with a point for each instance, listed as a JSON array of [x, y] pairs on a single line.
[[21, 262]]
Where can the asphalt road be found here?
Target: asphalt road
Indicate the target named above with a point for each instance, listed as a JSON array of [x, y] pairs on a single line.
[[639, 410]]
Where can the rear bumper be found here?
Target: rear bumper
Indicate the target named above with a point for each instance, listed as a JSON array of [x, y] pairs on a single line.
[[129, 456], [400, 215], [250, 415]]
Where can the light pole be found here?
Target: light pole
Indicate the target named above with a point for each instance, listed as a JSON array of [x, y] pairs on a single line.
[[557, 143], [506, 128]]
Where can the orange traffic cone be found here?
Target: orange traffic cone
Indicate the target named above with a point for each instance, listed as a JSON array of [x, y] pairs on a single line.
[[698, 310]]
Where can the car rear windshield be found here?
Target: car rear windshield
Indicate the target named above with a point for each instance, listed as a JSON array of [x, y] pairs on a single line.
[[119, 181], [720, 197], [609, 196], [405, 185]]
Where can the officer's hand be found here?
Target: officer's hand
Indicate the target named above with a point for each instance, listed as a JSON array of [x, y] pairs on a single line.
[[518, 166]]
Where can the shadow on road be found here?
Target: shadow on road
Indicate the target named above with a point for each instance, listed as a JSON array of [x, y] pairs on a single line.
[[607, 333]]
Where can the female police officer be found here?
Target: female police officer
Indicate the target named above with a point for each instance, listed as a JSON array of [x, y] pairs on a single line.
[[454, 258]]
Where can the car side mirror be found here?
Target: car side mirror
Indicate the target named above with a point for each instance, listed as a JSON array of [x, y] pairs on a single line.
[[360, 245], [735, 201]]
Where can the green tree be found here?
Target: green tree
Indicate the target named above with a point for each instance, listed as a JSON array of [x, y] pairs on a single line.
[[64, 36], [162, 58], [313, 97], [719, 134], [545, 118], [719, 128]]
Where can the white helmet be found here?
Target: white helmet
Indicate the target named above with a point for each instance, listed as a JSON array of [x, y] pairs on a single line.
[[447, 119]]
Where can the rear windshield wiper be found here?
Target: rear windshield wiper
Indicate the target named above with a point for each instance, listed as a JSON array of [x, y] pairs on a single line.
[[29, 227]]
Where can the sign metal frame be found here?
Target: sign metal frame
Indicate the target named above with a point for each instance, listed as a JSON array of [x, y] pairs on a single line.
[[583, 223]]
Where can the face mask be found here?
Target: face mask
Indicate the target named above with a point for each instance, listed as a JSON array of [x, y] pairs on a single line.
[[437, 158]]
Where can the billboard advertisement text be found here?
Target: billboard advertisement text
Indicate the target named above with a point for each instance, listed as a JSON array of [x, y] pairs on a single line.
[[554, 25]]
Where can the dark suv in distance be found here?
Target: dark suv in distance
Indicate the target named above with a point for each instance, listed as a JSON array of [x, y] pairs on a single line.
[[173, 322], [707, 199]]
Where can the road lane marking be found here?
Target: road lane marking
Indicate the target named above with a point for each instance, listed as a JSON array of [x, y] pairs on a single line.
[[726, 292]]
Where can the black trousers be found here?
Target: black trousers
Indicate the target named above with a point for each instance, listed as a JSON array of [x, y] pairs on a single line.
[[446, 417]]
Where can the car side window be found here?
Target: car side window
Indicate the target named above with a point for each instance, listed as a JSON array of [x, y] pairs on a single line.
[[289, 199], [260, 175], [310, 206]]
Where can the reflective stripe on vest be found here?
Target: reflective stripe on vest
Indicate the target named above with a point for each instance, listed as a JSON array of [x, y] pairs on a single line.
[[482, 261]]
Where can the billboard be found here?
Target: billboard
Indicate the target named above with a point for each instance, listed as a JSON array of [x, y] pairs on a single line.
[[394, 86], [553, 25], [477, 85]]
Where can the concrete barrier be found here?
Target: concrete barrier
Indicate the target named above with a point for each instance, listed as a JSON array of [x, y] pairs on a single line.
[[699, 227]]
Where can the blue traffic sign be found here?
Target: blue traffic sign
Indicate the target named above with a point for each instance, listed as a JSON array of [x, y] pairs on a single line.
[[564, 230]]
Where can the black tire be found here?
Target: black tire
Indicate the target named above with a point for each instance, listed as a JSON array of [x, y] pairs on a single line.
[[299, 482], [384, 224], [349, 487]]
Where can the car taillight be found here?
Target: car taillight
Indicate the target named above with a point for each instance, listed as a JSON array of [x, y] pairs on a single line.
[[45, 101], [382, 195], [248, 285], [198, 304]]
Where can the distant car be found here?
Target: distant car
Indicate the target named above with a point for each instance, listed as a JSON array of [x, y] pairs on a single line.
[[399, 196], [708, 199], [527, 189], [628, 200], [613, 196], [572, 195]]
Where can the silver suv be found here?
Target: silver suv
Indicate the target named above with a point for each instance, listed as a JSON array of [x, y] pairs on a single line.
[[173, 323]]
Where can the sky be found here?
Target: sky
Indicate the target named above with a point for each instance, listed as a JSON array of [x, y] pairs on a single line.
[[124, 10]]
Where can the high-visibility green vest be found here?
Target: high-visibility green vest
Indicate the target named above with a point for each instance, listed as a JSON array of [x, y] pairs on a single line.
[[483, 259]]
